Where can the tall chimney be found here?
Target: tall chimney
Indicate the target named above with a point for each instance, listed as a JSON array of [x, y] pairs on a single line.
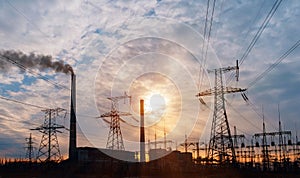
[[72, 141], [142, 132]]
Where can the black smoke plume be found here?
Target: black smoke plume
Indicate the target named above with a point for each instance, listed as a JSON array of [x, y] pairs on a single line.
[[35, 61]]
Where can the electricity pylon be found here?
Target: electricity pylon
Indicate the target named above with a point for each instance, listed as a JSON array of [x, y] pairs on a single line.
[[29, 148], [115, 139], [49, 147], [221, 149]]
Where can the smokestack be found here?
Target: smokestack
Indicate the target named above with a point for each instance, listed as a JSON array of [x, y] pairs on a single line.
[[142, 132], [72, 141]]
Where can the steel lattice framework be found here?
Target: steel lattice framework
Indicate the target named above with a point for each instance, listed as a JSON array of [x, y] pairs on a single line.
[[49, 147], [221, 149], [29, 149], [115, 139]]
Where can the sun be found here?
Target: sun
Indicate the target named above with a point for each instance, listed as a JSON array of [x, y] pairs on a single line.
[[155, 106], [155, 102]]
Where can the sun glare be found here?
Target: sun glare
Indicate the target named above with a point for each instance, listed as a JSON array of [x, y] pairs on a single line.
[[157, 102], [155, 106]]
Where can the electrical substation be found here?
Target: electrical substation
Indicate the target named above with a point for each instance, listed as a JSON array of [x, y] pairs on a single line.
[[227, 151]]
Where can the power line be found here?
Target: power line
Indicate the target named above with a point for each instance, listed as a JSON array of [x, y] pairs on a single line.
[[202, 49], [254, 19], [261, 115], [278, 61], [7, 59], [258, 34], [261, 29], [36, 74], [24, 122], [242, 116], [210, 27], [206, 20], [13, 62], [20, 102], [27, 19], [41, 107], [206, 39], [48, 38]]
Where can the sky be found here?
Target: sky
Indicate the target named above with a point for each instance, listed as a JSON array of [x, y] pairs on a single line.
[[152, 50]]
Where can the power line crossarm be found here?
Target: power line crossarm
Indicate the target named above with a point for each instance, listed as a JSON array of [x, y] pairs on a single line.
[[273, 133], [226, 91]]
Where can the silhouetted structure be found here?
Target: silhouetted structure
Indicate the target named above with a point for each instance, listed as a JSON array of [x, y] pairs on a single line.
[[115, 139], [49, 147], [72, 137], [280, 148], [221, 149], [29, 148], [142, 133]]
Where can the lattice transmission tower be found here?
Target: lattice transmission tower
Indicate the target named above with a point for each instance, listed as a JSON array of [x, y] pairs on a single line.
[[49, 147], [221, 149], [115, 139], [29, 148]]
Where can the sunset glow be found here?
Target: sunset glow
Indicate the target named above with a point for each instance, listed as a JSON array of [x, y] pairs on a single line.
[[96, 60]]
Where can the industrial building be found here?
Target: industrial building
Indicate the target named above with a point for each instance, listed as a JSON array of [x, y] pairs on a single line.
[[101, 155]]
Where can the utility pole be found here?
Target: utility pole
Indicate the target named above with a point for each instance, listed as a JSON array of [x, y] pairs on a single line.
[[197, 150], [155, 139], [187, 144], [204, 149], [266, 162], [237, 137], [251, 152], [221, 149], [165, 139], [29, 148], [115, 139], [297, 148], [49, 147]]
